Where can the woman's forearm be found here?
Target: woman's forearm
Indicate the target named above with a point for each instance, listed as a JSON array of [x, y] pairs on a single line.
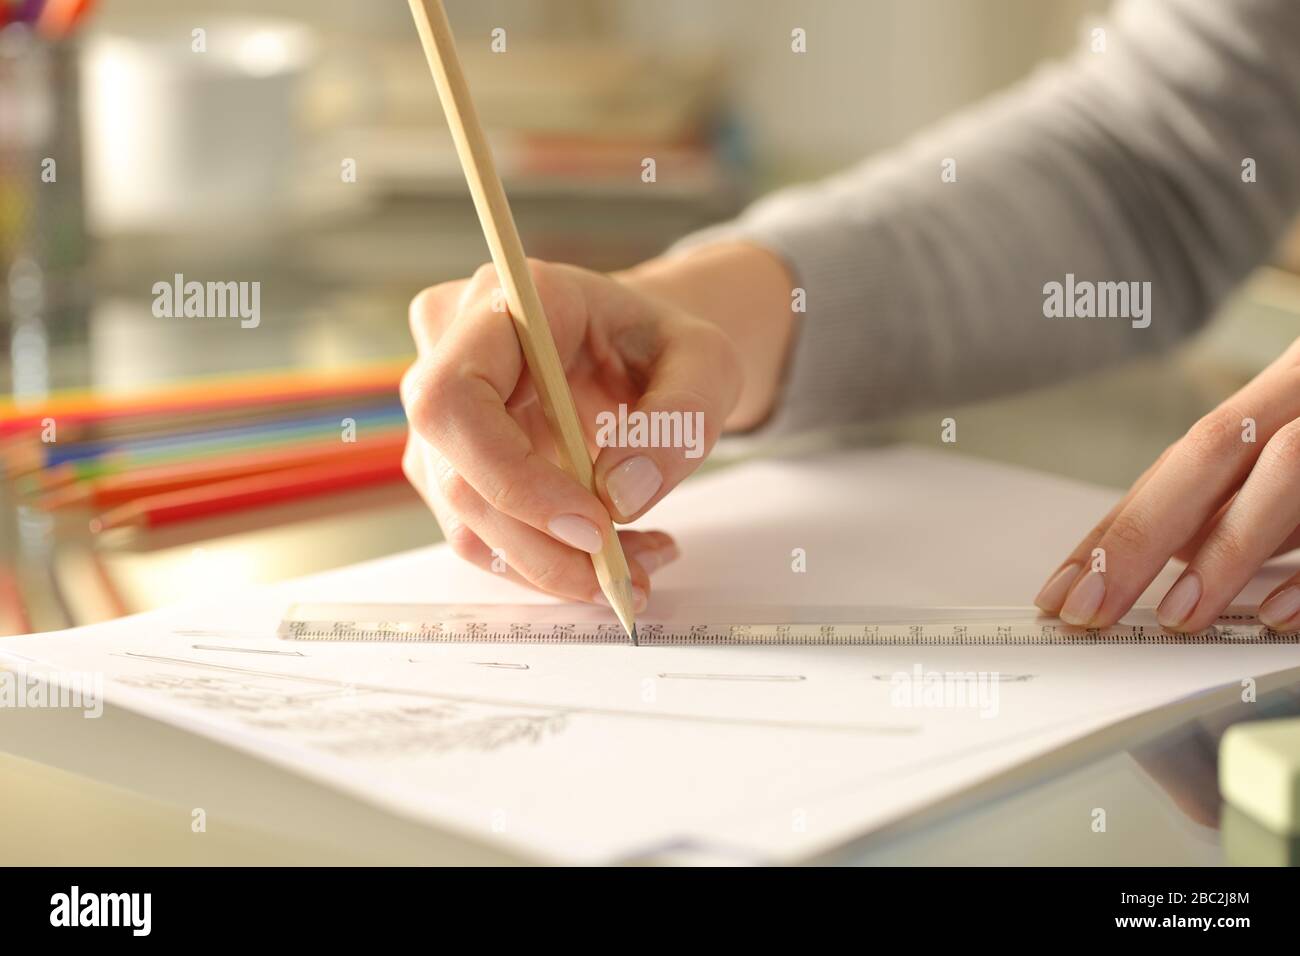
[[1161, 165]]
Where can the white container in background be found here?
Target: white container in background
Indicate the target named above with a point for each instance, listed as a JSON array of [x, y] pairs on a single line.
[[178, 140]]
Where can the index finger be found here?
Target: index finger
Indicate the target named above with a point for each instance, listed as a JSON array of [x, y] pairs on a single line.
[[430, 312], [456, 400], [1201, 472]]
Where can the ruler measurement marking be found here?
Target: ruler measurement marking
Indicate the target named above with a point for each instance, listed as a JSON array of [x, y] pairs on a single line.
[[782, 635]]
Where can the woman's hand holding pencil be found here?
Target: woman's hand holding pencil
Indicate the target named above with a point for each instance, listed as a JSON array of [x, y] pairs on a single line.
[[481, 455]]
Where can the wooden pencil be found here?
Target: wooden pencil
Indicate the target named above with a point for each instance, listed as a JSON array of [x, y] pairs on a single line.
[[521, 296]]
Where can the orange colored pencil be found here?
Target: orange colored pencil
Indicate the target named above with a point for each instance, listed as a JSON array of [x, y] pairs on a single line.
[[172, 421], [112, 490], [217, 392], [241, 494], [58, 17]]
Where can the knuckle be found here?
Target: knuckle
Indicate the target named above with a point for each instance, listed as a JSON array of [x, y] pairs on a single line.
[[1283, 449], [484, 277], [541, 272], [414, 381], [426, 310], [421, 412], [1216, 438], [426, 400], [456, 491], [1130, 532], [463, 542], [510, 495], [1226, 548], [552, 576], [1093, 538], [683, 400], [553, 285], [412, 465]]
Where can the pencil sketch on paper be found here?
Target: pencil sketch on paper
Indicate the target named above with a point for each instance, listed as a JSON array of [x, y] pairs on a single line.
[[348, 721], [969, 677], [668, 675], [247, 650], [250, 689]]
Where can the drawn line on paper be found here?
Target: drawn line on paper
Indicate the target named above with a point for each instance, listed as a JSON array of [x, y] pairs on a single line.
[[218, 632], [502, 664], [880, 729], [246, 650], [968, 677], [337, 721], [757, 677]]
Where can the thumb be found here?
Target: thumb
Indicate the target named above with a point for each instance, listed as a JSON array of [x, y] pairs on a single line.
[[646, 451]]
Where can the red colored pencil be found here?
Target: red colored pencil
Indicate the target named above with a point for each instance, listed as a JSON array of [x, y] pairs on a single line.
[[111, 490], [223, 497]]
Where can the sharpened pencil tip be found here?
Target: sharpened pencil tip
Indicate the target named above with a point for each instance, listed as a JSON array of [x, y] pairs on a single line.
[[632, 634]]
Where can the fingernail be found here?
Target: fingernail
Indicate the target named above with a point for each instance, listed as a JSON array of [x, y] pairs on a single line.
[[1053, 593], [652, 559], [632, 484], [1084, 599], [1180, 601], [1279, 610], [577, 532]]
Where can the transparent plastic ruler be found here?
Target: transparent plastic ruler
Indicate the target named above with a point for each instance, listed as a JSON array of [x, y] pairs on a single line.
[[751, 625]]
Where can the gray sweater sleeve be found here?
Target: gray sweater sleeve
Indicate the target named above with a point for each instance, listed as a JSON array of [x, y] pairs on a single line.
[[1128, 165]]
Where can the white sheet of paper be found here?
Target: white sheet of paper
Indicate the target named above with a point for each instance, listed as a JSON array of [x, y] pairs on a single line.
[[599, 753]]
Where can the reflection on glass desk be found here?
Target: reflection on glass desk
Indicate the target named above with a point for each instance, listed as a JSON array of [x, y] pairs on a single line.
[[1144, 795]]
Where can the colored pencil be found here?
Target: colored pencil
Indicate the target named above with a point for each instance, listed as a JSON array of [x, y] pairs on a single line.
[[224, 497], [172, 422], [112, 490], [186, 444], [60, 16], [28, 11], [90, 469], [60, 477], [253, 390]]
